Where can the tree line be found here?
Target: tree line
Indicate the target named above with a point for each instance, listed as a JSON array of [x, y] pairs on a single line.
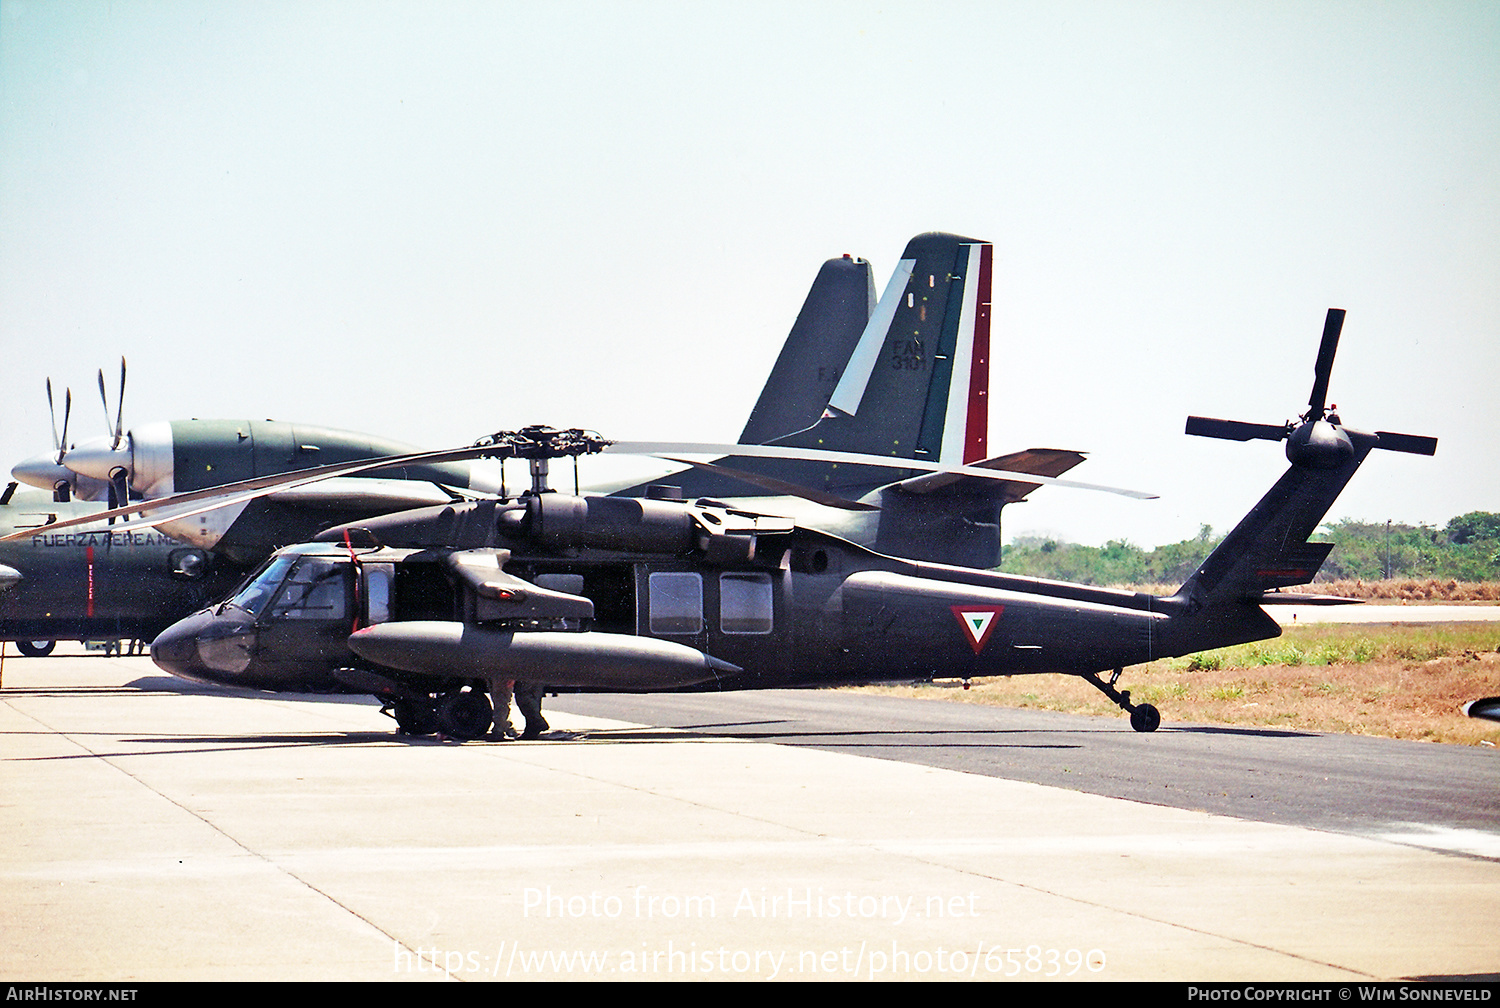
[[1466, 549]]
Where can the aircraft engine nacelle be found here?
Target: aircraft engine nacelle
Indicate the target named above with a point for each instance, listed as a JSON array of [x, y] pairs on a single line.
[[588, 660], [621, 523]]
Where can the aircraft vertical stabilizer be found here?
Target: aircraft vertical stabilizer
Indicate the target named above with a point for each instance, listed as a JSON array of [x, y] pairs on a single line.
[[908, 378], [831, 321]]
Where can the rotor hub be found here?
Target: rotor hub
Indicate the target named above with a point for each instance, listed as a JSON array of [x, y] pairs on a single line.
[[539, 443]]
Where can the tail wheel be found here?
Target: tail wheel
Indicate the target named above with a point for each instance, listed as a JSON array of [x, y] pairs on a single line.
[[35, 648], [1145, 718]]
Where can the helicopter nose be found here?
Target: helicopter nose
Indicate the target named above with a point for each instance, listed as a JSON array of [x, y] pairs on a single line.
[[207, 647]]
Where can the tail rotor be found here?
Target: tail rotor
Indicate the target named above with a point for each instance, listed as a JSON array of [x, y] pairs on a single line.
[[1317, 438]]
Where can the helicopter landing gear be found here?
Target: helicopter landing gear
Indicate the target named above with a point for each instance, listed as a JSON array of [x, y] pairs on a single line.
[[465, 714], [461, 714], [414, 716], [1143, 717]]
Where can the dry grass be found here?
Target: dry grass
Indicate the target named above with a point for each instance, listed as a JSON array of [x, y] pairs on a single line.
[[1396, 682], [1412, 590]]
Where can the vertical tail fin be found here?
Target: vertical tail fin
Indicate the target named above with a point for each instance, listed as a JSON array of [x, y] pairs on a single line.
[[907, 378], [915, 384], [832, 318]]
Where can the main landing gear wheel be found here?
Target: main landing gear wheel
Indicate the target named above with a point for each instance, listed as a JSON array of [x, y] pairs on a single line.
[[1143, 717], [464, 714], [35, 648]]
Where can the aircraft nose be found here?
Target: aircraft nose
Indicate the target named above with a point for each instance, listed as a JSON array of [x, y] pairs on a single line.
[[207, 647]]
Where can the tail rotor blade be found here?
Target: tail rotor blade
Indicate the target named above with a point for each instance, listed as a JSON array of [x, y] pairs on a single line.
[[1412, 444], [1332, 326], [1234, 430]]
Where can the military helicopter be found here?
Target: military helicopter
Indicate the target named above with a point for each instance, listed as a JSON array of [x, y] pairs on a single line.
[[426, 609]]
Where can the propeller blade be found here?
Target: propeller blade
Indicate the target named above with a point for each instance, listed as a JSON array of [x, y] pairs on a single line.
[[52, 415], [119, 409], [1414, 444], [1332, 326], [62, 444], [104, 398], [1234, 430], [119, 488]]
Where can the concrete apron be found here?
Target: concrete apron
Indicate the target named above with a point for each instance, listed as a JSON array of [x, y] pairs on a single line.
[[152, 834]]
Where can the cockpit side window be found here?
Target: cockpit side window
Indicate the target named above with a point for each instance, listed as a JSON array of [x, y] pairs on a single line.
[[318, 589]]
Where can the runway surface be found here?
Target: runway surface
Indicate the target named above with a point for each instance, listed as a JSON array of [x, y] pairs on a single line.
[[157, 831], [1439, 796]]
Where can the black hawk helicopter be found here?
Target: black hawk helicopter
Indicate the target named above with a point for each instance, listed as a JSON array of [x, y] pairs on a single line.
[[425, 609]]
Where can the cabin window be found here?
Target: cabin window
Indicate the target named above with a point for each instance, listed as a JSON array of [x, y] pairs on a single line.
[[745, 603], [378, 578], [676, 603]]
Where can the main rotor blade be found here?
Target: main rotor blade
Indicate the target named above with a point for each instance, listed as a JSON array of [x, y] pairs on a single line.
[[777, 486], [234, 493], [1234, 430], [663, 448], [1414, 444], [1332, 326]]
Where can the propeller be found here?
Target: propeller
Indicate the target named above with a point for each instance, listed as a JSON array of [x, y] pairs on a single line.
[[62, 486], [1317, 438], [59, 442], [538, 444], [119, 474], [119, 425]]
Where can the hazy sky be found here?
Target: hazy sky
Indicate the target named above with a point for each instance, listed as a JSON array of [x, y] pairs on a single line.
[[433, 220]]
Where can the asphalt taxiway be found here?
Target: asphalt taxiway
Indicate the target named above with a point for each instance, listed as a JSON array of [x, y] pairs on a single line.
[[156, 831]]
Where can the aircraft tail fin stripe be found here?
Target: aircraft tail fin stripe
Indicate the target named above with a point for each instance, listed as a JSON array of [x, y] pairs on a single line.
[[977, 423]]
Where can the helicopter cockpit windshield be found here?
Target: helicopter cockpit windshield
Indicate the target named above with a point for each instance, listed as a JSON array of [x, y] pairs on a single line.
[[306, 587]]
